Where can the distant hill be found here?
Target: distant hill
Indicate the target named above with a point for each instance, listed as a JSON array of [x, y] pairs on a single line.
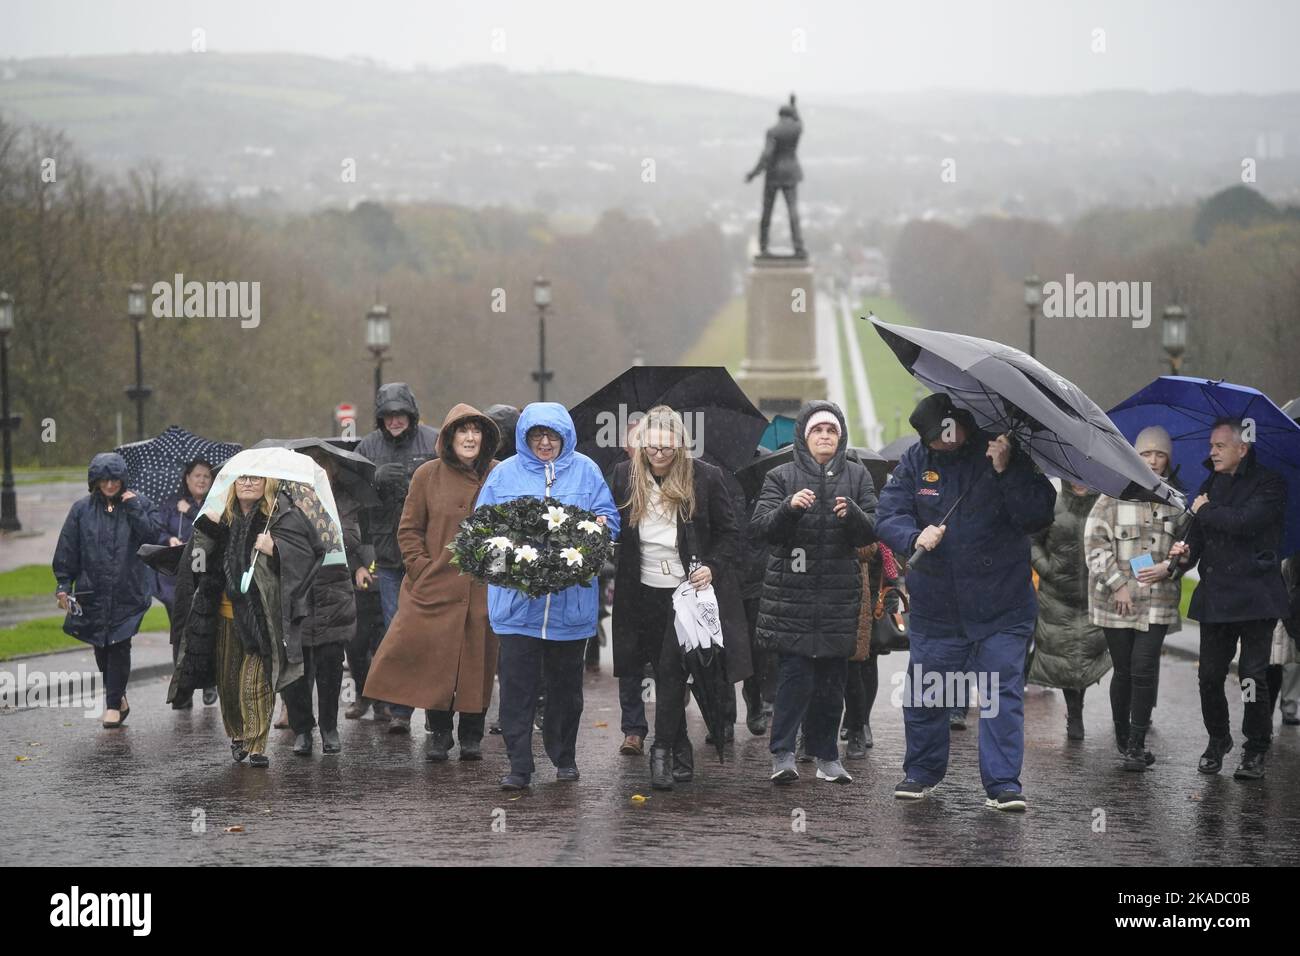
[[275, 129]]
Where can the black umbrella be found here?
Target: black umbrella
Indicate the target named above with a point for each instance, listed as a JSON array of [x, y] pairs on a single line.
[[356, 472], [154, 466], [893, 452], [1007, 391], [709, 684], [723, 425], [752, 475]]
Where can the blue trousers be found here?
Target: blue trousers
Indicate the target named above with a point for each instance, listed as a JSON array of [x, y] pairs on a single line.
[[390, 586], [941, 658]]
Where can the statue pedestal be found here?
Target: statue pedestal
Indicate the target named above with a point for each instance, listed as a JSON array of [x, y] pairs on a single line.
[[780, 371]]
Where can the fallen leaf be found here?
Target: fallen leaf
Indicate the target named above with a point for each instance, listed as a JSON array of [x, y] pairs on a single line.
[[1195, 796], [20, 759], [637, 798], [602, 723], [237, 828]]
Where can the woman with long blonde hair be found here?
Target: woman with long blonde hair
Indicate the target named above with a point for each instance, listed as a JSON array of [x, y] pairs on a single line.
[[675, 513]]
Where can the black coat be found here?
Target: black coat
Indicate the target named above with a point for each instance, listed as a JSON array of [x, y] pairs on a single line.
[[812, 590], [331, 608], [95, 557], [283, 584], [714, 533], [1237, 539]]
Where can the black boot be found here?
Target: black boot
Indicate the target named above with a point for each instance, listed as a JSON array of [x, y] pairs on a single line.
[[1135, 756], [302, 745], [1252, 767], [436, 745], [1074, 713], [471, 748], [1121, 742], [857, 743], [1212, 759], [329, 741], [683, 761], [660, 777]]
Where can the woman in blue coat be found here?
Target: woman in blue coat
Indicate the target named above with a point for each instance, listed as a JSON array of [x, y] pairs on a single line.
[[97, 570], [544, 637]]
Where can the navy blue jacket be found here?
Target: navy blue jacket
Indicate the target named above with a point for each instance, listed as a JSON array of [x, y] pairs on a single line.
[[977, 582], [95, 557]]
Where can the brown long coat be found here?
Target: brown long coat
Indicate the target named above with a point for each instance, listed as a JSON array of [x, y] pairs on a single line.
[[439, 652]]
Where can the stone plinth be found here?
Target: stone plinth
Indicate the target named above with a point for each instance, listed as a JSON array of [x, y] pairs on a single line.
[[780, 371]]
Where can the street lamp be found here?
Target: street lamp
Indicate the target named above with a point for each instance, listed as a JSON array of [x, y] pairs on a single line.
[[8, 501], [1033, 299], [1173, 336], [379, 336], [135, 306], [541, 299]]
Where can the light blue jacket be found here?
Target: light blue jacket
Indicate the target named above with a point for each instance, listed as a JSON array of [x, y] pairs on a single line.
[[574, 479]]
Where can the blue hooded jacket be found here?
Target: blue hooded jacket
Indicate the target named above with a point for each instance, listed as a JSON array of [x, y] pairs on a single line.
[[575, 480]]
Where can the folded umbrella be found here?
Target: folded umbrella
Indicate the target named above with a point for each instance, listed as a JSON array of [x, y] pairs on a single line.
[[154, 466], [699, 635], [1008, 392], [722, 423], [1187, 409]]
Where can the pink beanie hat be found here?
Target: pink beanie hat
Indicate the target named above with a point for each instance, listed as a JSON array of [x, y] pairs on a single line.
[[822, 417]]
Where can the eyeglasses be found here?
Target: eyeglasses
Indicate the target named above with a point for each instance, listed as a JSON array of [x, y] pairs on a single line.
[[660, 449], [540, 437], [249, 480]]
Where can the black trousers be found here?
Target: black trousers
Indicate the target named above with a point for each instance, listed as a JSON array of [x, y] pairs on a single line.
[[811, 687], [760, 687], [1136, 656], [365, 639], [471, 725], [861, 682], [322, 669], [114, 662], [1218, 645], [522, 666]]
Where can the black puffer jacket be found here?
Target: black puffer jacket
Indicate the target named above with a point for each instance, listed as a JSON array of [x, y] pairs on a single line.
[[395, 461], [331, 608], [812, 591]]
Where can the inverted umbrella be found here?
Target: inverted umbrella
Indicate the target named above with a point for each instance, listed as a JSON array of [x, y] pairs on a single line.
[[355, 472], [283, 465], [154, 466], [1187, 409], [698, 625], [722, 423], [752, 475], [1007, 391], [779, 433]]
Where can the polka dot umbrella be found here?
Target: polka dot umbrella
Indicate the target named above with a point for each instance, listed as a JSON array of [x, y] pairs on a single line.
[[155, 465]]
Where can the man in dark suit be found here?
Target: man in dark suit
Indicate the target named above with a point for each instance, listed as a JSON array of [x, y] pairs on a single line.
[[783, 173], [1237, 539]]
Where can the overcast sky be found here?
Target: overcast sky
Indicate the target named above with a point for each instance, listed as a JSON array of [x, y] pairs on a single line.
[[757, 46]]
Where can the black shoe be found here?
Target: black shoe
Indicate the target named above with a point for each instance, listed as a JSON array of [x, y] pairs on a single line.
[[1007, 800], [757, 723], [259, 760], [1121, 744], [329, 741], [868, 741], [1135, 753], [399, 725], [1074, 727], [494, 728], [856, 745], [436, 745], [515, 781], [801, 750], [660, 777], [1212, 759], [1252, 767], [302, 745], [567, 774], [209, 696], [237, 750], [185, 703], [910, 789], [1290, 720], [956, 720], [684, 762], [471, 748]]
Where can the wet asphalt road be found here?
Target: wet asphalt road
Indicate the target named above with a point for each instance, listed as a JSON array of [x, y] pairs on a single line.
[[92, 796]]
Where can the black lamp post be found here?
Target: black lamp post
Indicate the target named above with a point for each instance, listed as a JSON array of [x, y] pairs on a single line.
[[541, 299], [135, 306], [379, 336], [1033, 299], [1173, 336], [8, 500]]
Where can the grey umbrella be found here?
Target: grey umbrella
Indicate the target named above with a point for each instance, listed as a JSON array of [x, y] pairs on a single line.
[[1007, 391], [356, 472]]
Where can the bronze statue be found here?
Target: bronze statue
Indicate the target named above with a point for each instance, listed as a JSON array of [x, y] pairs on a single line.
[[783, 173]]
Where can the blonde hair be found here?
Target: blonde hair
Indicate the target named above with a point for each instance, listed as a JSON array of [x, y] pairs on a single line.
[[265, 505], [678, 488]]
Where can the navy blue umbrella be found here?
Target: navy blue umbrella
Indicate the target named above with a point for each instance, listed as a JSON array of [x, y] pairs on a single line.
[[154, 466], [1187, 409]]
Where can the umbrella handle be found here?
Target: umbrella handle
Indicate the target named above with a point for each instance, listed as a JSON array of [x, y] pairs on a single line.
[[252, 563]]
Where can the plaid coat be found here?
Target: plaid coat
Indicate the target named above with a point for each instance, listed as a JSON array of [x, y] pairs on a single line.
[[1115, 532]]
